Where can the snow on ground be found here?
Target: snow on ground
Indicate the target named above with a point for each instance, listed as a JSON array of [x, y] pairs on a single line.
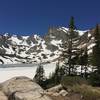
[[9, 50], [15, 40], [46, 51], [66, 30], [81, 32], [91, 46], [56, 42], [89, 51], [7, 73], [5, 59], [89, 34], [25, 37]]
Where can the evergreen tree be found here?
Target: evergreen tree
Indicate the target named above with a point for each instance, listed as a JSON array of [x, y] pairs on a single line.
[[95, 76], [72, 23], [96, 49], [72, 37], [57, 74], [71, 52], [62, 72], [85, 61], [81, 61], [39, 76]]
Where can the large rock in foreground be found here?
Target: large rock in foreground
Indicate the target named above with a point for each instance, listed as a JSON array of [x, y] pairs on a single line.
[[3, 96], [23, 88]]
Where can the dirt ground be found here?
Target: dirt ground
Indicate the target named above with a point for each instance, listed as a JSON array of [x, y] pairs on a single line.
[[69, 97]]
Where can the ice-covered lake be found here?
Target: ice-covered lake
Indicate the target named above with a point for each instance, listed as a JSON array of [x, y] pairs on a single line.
[[12, 70]]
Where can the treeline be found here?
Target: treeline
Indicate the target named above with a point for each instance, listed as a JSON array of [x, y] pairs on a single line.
[[74, 58]]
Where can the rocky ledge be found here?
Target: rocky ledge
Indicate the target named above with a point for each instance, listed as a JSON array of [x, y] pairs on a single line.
[[21, 88]]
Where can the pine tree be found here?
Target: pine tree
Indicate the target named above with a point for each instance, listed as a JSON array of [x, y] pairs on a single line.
[[95, 76], [39, 76], [81, 61], [85, 61], [96, 49], [72, 36], [62, 72], [57, 74], [70, 52], [72, 23]]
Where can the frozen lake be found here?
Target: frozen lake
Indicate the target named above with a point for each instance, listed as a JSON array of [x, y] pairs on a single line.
[[12, 70], [16, 65]]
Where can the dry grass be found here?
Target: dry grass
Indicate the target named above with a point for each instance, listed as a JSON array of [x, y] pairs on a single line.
[[88, 92], [57, 98], [73, 96], [80, 92]]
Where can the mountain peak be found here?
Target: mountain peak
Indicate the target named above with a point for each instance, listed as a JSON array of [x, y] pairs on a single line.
[[33, 49]]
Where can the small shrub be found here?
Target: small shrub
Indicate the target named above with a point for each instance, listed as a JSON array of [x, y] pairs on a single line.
[[95, 79], [72, 80], [40, 76], [88, 92]]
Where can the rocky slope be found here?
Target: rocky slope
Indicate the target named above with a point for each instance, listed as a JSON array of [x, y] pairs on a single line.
[[23, 88], [34, 49]]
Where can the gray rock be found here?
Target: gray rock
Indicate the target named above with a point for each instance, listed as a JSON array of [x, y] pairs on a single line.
[[63, 92], [23, 88], [3, 96], [55, 89], [51, 47]]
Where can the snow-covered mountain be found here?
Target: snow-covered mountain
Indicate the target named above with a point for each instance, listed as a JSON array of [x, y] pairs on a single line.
[[34, 49]]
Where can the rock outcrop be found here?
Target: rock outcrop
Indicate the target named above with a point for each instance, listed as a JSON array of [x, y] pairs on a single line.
[[22, 88], [57, 91], [3, 96]]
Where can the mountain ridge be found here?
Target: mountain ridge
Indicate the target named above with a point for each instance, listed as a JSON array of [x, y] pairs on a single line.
[[35, 49]]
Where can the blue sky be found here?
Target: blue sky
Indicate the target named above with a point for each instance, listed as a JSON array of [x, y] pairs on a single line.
[[35, 16]]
